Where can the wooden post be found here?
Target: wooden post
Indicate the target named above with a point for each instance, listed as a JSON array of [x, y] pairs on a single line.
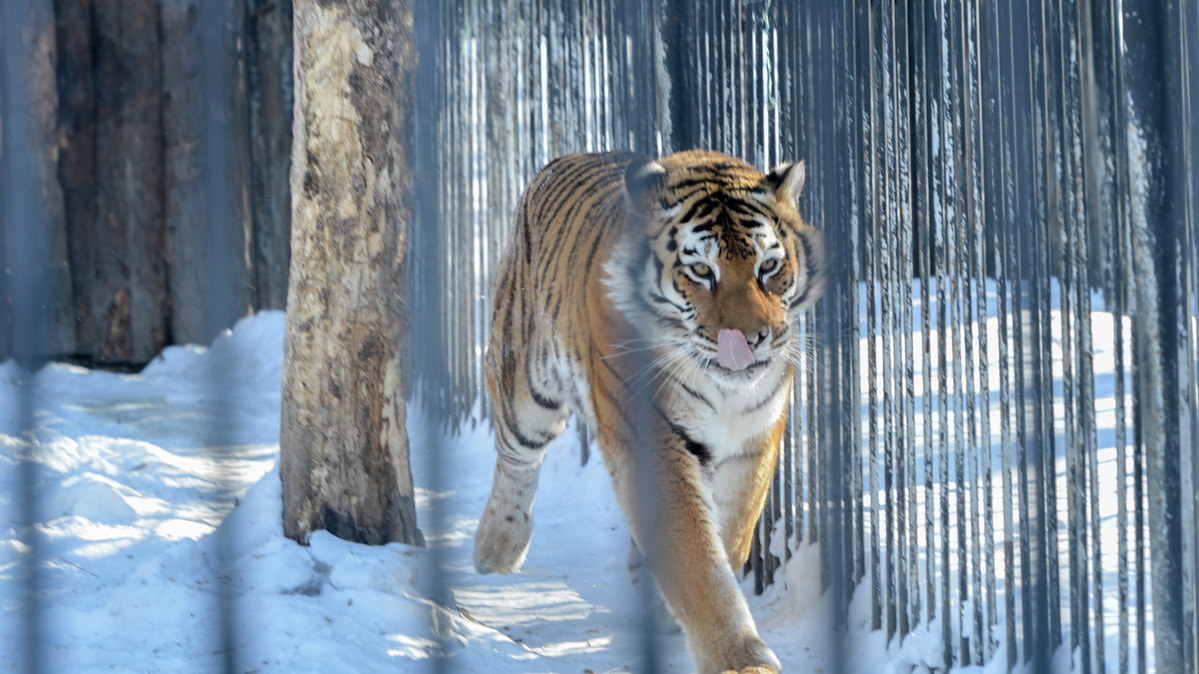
[[122, 268], [343, 442], [185, 199], [77, 147], [35, 279], [269, 90], [188, 203]]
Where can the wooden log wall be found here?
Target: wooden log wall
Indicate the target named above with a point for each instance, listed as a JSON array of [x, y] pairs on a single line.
[[127, 168], [29, 189]]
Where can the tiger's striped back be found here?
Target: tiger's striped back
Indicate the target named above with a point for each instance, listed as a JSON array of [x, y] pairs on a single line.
[[571, 216]]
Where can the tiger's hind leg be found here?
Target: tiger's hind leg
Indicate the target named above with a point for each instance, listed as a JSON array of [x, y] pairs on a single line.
[[525, 423]]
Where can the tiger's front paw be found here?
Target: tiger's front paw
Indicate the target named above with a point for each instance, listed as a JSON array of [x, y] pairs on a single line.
[[748, 655], [502, 539]]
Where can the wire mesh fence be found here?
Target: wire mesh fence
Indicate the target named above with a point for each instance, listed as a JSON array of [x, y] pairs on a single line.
[[994, 438]]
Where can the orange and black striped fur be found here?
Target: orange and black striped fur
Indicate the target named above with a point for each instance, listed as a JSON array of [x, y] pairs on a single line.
[[658, 300]]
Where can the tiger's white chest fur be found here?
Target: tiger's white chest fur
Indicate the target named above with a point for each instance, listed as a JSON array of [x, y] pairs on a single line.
[[724, 420]]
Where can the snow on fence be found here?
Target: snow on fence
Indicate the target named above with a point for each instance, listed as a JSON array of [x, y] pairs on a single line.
[[995, 438]]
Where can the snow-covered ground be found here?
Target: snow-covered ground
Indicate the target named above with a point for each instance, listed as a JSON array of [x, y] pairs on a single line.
[[143, 524]]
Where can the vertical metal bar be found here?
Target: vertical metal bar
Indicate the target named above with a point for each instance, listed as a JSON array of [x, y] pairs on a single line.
[[877, 464], [1061, 235], [1005, 433], [1021, 107], [1003, 211], [786, 469], [977, 327], [835, 24], [793, 78], [885, 223], [1076, 200], [1041, 441], [817, 86], [942, 177], [848, 201], [899, 290], [1102, 98], [868, 100], [755, 106], [219, 67], [438, 125], [452, 137], [1140, 460], [1155, 116], [28, 228], [958, 178], [724, 123], [923, 106], [1115, 300], [902, 76], [1189, 423], [637, 32]]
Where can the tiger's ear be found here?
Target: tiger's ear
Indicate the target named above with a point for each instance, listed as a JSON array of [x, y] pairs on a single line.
[[642, 180], [786, 181]]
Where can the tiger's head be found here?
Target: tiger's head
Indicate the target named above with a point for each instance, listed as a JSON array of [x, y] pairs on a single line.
[[726, 267]]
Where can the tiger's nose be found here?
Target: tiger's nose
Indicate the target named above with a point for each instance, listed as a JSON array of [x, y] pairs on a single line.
[[755, 337]]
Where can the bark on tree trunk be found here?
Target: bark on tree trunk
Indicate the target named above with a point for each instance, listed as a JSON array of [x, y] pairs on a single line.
[[343, 443]]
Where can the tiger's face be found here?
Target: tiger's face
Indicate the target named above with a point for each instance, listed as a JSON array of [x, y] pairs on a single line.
[[729, 264]]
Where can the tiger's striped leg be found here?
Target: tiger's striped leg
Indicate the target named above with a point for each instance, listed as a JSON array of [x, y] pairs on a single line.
[[677, 525], [740, 483], [525, 424]]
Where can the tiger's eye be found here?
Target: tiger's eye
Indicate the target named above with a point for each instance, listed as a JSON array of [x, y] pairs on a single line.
[[768, 266], [701, 270]]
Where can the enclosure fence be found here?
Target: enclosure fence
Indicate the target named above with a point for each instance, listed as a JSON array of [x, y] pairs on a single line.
[[995, 434]]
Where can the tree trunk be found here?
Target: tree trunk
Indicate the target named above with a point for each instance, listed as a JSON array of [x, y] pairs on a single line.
[[343, 442]]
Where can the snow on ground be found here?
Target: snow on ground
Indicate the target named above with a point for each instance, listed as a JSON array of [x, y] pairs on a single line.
[[153, 500]]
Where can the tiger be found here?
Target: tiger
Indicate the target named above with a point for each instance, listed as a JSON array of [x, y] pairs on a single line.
[[659, 301]]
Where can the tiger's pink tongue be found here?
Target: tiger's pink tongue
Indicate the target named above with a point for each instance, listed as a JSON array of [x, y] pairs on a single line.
[[732, 351]]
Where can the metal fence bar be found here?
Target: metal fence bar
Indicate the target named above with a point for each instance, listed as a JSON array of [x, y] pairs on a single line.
[[1081, 283], [882, 608], [427, 262], [28, 233], [1188, 25], [222, 180], [1156, 168], [898, 279]]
